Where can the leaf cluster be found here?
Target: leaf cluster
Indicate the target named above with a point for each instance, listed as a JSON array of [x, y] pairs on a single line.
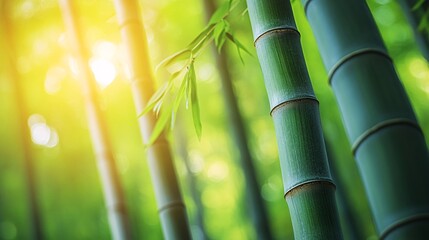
[[182, 82]]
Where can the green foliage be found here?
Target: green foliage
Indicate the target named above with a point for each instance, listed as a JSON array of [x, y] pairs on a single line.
[[183, 80]]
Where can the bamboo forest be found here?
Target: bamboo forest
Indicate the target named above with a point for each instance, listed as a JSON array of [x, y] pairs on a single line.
[[214, 119]]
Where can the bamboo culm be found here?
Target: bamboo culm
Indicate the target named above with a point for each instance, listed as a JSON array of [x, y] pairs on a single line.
[[253, 198], [352, 225], [415, 16], [171, 207], [24, 133], [387, 141], [309, 189], [110, 180]]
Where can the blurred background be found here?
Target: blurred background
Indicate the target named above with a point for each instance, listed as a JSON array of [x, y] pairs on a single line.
[[69, 193]]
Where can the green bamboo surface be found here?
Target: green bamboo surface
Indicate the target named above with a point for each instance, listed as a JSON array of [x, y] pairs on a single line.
[[309, 189], [110, 179], [253, 199], [171, 208], [415, 16], [386, 139]]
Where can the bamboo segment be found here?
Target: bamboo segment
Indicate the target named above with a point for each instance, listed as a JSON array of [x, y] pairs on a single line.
[[415, 16], [254, 202], [24, 133], [169, 199], [309, 189], [112, 189], [387, 141]]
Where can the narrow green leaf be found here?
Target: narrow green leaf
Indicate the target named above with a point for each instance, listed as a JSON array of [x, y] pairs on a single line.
[[157, 97], [161, 122], [217, 32], [204, 34], [194, 99], [238, 43], [418, 4], [181, 55], [179, 96], [220, 13]]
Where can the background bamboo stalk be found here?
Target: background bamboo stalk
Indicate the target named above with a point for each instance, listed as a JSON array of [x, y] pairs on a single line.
[[309, 189], [169, 199], [110, 179], [192, 180], [388, 143], [253, 200], [24, 133], [415, 16], [351, 224]]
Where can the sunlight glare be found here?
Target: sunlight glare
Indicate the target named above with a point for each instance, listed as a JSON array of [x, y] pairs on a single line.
[[104, 71], [41, 133], [218, 171], [53, 79]]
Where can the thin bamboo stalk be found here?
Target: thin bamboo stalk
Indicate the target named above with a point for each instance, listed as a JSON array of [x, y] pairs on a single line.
[[192, 180], [415, 16], [24, 133], [254, 202], [309, 189], [351, 224], [169, 199], [387, 141], [110, 179]]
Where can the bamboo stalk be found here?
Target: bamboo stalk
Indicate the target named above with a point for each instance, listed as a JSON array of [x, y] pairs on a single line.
[[415, 16], [24, 133], [309, 189], [254, 202], [192, 180], [352, 225], [169, 199], [110, 179], [387, 141]]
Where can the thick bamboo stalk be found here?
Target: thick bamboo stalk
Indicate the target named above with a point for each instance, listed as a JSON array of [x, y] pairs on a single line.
[[110, 180], [169, 199], [309, 189], [415, 16], [387, 141], [24, 133], [253, 198]]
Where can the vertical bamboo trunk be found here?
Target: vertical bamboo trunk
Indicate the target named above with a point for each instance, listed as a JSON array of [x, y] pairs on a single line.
[[387, 141], [254, 202], [415, 17], [192, 181], [309, 189], [169, 199], [351, 224], [24, 133], [110, 180]]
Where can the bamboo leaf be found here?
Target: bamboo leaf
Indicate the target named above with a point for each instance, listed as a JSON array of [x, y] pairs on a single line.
[[156, 98], [239, 46], [178, 98], [159, 127], [202, 35], [418, 4], [220, 13], [194, 99], [181, 55]]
